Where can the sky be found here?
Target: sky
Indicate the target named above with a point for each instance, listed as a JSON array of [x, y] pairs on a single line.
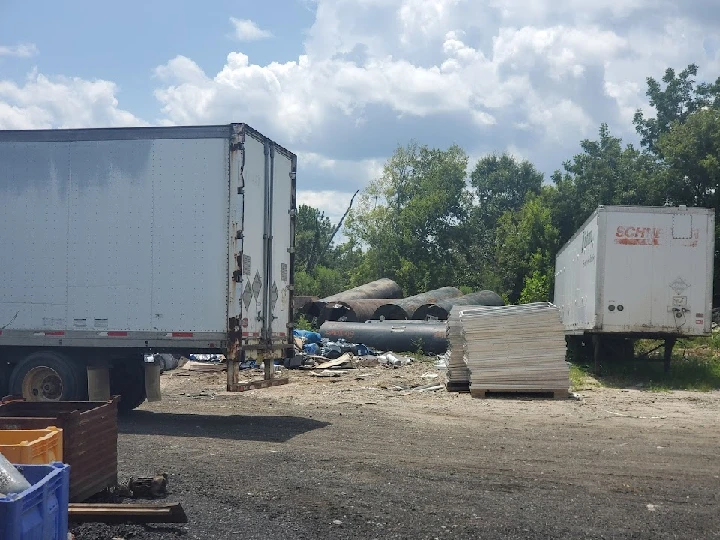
[[342, 83]]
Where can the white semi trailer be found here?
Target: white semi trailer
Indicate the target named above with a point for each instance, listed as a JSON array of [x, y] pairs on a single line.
[[637, 272], [118, 243]]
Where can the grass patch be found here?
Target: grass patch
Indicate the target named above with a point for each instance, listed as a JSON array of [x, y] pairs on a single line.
[[699, 373], [695, 366], [581, 378]]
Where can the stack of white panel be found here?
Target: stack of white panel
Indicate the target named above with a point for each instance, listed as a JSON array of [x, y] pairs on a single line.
[[515, 348], [457, 371]]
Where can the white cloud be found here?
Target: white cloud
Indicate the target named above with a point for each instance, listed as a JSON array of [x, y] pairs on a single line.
[[533, 77], [24, 50], [333, 203], [62, 102], [247, 30]]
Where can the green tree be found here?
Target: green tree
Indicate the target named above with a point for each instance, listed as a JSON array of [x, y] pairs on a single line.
[[527, 241], [313, 232], [502, 183], [674, 103], [321, 282], [406, 220], [605, 173], [691, 152], [322, 267], [498, 184]]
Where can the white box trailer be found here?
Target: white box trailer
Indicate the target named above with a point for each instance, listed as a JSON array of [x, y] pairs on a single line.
[[121, 242], [638, 272]]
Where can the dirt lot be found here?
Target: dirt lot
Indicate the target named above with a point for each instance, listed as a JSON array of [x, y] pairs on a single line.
[[352, 457]]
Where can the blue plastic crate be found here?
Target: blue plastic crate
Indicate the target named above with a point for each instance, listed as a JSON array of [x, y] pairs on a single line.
[[41, 512]]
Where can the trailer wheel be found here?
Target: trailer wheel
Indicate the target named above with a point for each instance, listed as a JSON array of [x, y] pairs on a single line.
[[48, 376], [127, 379]]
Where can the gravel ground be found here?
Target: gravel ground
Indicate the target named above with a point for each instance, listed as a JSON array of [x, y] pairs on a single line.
[[354, 457]]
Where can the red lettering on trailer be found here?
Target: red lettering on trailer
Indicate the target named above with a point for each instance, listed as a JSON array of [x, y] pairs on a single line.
[[637, 236], [182, 334]]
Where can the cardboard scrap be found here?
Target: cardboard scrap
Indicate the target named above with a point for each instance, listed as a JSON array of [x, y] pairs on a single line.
[[346, 360]]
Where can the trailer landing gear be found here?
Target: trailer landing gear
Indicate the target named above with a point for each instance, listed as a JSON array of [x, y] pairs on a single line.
[[668, 350]]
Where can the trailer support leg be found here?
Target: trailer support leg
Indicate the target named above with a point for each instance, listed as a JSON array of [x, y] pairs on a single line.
[[596, 353], [152, 381], [233, 372], [268, 364], [98, 378], [669, 344]]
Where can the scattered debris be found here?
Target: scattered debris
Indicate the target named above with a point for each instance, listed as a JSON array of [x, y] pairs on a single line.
[[204, 367], [329, 373], [244, 386], [391, 360], [638, 417], [145, 488], [346, 360]]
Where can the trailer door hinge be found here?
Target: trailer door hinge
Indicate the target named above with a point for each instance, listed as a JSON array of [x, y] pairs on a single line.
[[237, 276], [236, 146]]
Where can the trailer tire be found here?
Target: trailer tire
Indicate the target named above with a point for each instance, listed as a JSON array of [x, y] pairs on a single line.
[[48, 376], [127, 379]]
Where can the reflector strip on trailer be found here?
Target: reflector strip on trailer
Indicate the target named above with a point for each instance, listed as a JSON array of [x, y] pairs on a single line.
[[56, 333], [113, 334], [181, 334]]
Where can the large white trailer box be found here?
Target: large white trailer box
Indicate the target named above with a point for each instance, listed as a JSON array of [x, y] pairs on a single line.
[[642, 271], [637, 272], [120, 242]]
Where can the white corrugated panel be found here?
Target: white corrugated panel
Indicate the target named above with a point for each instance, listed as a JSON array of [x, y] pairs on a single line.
[[457, 371], [515, 348]]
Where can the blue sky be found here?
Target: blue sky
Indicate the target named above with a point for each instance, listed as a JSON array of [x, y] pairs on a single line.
[[126, 41], [343, 82]]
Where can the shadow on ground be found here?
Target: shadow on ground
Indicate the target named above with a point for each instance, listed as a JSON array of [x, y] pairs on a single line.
[[234, 427]]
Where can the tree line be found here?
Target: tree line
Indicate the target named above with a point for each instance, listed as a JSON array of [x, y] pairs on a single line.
[[427, 223]]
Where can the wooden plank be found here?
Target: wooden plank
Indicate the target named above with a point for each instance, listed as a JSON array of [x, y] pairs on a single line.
[[551, 394], [126, 513], [458, 387]]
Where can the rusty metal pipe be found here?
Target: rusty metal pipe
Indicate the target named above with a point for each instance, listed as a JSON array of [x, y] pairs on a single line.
[[405, 308], [357, 310], [396, 336], [441, 309], [381, 288]]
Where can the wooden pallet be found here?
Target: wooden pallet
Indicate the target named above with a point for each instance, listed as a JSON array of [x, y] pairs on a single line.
[[256, 385], [548, 394], [457, 387]]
